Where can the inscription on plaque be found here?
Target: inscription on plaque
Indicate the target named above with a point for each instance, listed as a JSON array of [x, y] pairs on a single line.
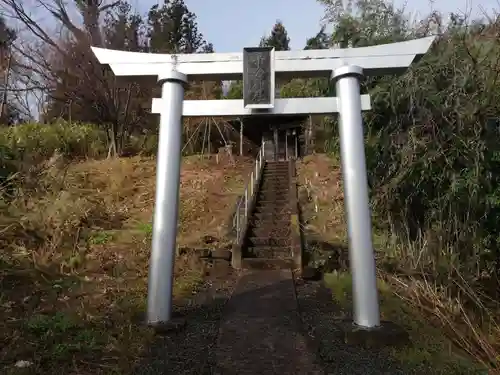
[[258, 76]]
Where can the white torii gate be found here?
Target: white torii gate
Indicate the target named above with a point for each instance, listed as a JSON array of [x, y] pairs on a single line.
[[343, 66]]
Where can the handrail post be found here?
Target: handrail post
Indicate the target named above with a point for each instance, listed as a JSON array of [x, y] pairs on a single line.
[[238, 224], [251, 184], [246, 204]]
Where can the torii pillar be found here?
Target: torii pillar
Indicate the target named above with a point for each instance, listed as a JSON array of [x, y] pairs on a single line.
[[167, 198]]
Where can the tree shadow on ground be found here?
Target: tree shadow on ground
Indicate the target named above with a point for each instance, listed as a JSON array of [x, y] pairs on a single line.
[[194, 350]]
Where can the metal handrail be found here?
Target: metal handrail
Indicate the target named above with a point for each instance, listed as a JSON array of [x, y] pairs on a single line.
[[243, 206]]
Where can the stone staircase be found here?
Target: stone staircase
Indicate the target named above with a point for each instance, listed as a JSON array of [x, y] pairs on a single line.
[[268, 240]]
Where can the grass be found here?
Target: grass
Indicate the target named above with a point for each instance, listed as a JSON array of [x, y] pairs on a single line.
[[75, 245], [430, 351], [441, 325]]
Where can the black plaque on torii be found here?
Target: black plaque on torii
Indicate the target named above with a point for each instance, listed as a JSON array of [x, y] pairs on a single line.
[[258, 77]]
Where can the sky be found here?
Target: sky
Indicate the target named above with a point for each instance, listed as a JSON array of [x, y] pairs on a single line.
[[232, 25]]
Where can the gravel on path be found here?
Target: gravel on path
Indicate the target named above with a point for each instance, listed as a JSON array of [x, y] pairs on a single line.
[[190, 351], [262, 323], [320, 315], [261, 332]]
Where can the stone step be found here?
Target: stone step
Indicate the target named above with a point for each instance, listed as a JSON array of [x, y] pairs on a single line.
[[279, 194], [277, 252], [271, 174], [272, 209], [269, 198], [276, 172], [277, 168], [276, 202], [280, 201], [275, 185], [274, 190], [277, 163], [279, 184], [266, 264], [276, 176], [270, 217], [269, 221], [270, 231], [268, 241]]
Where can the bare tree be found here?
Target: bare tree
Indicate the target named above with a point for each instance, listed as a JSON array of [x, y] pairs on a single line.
[[62, 66]]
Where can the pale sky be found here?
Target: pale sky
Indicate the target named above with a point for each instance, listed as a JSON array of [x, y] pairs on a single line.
[[233, 24]]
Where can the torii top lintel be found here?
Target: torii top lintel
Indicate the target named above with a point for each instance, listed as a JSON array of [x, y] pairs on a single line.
[[391, 58]]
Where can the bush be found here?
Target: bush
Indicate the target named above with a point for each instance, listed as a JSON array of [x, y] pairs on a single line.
[[433, 155], [432, 150], [38, 142], [25, 147]]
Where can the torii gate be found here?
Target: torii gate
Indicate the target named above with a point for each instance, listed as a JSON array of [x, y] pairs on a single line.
[[259, 67]]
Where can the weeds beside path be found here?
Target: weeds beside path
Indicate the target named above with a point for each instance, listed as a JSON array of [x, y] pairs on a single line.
[[446, 326], [75, 242]]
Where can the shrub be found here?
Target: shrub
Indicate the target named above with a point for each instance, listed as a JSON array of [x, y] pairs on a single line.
[[24, 148], [37, 142], [433, 159]]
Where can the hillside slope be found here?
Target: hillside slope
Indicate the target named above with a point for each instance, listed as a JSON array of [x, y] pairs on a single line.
[[321, 198], [73, 269]]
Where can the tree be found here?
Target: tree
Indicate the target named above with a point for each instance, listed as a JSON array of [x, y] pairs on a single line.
[[123, 29], [76, 86], [8, 112], [62, 67], [172, 28], [318, 87], [7, 36], [432, 159], [360, 23], [79, 89], [278, 39], [320, 41]]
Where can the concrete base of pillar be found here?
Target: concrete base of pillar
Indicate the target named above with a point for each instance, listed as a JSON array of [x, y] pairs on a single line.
[[387, 334], [176, 324], [236, 256]]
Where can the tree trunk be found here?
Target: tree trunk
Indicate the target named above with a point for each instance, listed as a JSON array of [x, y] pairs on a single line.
[[3, 103], [112, 137]]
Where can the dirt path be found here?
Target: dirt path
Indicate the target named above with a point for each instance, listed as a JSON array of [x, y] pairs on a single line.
[[261, 323], [261, 331], [319, 314], [191, 350]]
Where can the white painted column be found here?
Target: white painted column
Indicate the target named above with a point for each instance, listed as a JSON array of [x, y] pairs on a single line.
[[161, 266], [361, 255]]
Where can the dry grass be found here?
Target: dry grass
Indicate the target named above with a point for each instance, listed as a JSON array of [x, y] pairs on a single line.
[[463, 319], [75, 248], [430, 351], [320, 190]]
